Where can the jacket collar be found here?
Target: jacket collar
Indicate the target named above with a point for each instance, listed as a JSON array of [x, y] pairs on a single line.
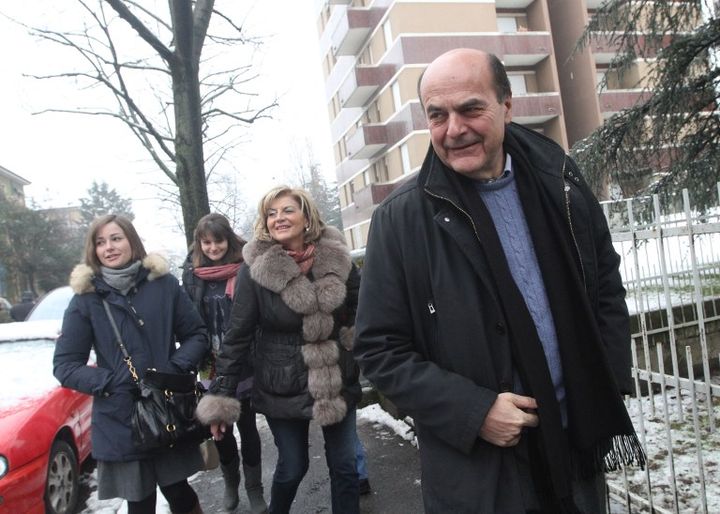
[[271, 267], [83, 279]]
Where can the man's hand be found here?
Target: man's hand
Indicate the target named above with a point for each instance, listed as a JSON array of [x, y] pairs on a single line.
[[218, 431], [507, 417]]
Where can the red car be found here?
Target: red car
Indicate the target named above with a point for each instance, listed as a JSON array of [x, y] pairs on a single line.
[[44, 428]]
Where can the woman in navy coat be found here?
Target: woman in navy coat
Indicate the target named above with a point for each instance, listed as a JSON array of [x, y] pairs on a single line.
[[153, 314]]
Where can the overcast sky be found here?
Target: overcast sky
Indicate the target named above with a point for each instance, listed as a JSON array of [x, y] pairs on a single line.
[[61, 154]]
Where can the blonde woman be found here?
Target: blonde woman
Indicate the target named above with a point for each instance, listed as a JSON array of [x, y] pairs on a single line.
[[293, 315]]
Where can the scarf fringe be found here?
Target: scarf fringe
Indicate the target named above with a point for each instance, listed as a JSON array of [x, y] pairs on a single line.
[[609, 455]]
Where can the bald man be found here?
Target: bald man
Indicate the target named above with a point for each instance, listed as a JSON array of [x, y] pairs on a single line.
[[492, 310]]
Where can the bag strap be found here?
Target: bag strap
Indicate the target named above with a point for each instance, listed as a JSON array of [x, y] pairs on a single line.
[[126, 356]]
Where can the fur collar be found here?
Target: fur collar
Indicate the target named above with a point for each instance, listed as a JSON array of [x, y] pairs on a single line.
[[81, 278], [274, 269], [316, 299]]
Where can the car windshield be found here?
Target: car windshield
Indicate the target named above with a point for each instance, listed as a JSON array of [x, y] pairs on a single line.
[[52, 305], [25, 370]]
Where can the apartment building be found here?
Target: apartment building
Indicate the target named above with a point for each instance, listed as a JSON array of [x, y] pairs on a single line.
[[373, 52], [12, 186]]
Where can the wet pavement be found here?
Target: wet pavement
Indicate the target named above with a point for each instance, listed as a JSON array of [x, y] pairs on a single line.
[[393, 466]]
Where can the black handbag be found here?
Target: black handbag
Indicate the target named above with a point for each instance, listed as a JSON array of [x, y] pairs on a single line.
[[164, 409]]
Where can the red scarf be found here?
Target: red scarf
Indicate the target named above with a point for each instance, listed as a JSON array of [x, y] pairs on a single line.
[[304, 258], [224, 272]]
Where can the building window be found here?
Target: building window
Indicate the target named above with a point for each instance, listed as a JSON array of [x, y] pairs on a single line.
[[366, 178], [507, 25], [405, 157], [387, 33], [517, 84], [397, 99], [357, 237], [600, 86]]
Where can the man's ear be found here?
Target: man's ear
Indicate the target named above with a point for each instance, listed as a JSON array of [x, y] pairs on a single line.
[[507, 103]]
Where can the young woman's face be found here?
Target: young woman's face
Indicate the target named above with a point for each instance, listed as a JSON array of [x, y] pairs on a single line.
[[213, 249], [286, 223], [112, 246]]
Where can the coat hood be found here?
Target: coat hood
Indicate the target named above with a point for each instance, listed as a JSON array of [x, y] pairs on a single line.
[[81, 278]]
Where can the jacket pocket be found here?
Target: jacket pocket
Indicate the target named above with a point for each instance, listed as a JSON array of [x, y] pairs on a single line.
[[280, 369]]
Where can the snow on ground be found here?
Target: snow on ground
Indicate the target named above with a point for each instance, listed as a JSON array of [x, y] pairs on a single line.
[[685, 454], [375, 414]]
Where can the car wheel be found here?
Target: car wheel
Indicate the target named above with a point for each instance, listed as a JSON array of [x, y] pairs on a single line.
[[61, 486]]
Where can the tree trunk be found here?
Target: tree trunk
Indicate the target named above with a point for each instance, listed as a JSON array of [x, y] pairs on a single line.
[[189, 157]]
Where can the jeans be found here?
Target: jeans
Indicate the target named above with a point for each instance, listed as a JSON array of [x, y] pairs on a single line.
[[291, 440], [360, 458]]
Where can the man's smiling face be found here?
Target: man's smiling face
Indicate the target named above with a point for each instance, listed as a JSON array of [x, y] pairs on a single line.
[[465, 118]]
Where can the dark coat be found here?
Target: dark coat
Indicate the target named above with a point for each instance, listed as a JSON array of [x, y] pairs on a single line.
[[431, 334], [298, 330], [20, 311], [151, 318], [194, 286]]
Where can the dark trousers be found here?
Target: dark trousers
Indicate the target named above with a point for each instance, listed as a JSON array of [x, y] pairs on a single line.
[[291, 439], [249, 439]]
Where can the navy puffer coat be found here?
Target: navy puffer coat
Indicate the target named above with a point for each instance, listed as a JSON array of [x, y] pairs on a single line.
[[151, 318]]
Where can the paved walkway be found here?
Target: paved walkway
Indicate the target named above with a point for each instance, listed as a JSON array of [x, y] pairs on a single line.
[[392, 462]]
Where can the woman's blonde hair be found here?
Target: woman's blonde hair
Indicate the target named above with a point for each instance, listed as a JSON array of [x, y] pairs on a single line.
[[307, 205], [136, 246]]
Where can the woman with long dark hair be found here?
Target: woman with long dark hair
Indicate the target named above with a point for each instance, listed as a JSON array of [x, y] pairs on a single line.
[[153, 314], [209, 279]]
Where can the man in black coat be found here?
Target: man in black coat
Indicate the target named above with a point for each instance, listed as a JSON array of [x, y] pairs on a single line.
[[20, 311], [492, 310]]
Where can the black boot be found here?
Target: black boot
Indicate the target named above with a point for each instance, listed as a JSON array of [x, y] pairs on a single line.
[[254, 488], [231, 477]]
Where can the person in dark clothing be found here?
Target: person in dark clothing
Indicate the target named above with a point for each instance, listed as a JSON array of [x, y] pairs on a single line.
[[153, 314], [293, 315], [492, 309], [20, 311], [209, 278]]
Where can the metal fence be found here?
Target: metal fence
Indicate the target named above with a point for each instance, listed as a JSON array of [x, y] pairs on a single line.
[[671, 269]]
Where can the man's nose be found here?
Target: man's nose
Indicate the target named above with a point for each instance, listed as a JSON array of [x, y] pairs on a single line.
[[456, 124]]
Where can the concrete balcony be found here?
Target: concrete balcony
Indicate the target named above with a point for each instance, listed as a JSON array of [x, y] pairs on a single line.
[[364, 202], [512, 4], [536, 108], [605, 47], [523, 49], [339, 2], [362, 83], [616, 100], [369, 139], [349, 168], [353, 30]]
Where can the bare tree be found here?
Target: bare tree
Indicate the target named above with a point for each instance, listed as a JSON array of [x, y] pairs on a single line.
[[186, 123]]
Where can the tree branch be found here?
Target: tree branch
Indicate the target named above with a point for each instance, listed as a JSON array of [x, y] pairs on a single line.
[[201, 20], [142, 30]]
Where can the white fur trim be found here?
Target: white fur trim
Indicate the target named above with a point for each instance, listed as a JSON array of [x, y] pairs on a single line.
[[81, 279]]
